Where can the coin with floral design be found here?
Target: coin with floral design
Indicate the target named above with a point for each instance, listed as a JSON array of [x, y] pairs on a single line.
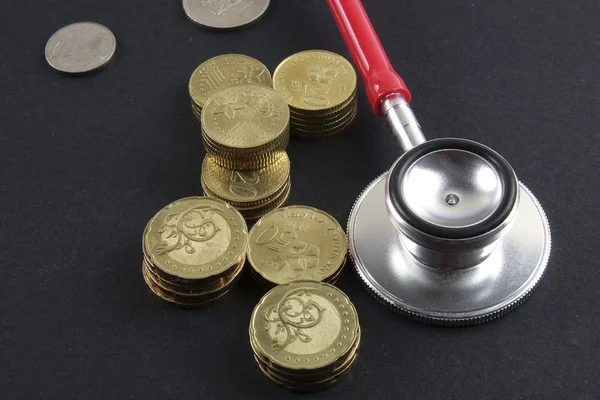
[[297, 243], [224, 71], [245, 116], [304, 325], [195, 238]]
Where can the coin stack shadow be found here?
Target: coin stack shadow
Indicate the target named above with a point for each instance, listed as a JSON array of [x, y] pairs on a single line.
[[305, 335], [177, 267], [245, 131], [321, 90]]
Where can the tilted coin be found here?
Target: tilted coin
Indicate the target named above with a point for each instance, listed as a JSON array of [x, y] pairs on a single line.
[[224, 71], [297, 243], [245, 188], [224, 14], [80, 47], [255, 213], [304, 325], [245, 127], [195, 238], [315, 80]]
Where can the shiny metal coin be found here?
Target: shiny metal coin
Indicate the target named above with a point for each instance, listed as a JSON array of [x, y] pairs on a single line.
[[224, 14], [80, 47], [459, 297]]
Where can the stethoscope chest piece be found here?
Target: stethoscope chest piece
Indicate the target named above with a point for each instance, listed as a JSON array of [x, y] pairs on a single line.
[[449, 235]]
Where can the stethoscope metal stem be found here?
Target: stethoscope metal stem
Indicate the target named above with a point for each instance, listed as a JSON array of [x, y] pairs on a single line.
[[402, 121]]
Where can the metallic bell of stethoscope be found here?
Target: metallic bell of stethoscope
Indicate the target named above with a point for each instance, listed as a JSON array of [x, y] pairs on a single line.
[[448, 235]]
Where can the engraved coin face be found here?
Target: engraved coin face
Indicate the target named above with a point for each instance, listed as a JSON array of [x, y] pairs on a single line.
[[224, 71], [245, 188], [195, 238], [224, 14], [315, 80], [297, 243], [80, 47], [245, 116], [304, 325]]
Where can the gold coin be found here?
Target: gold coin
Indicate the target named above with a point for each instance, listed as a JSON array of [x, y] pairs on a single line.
[[244, 117], [245, 188], [256, 213], [324, 127], [313, 375], [184, 301], [249, 161], [251, 205], [304, 325], [197, 111], [224, 71], [304, 134], [297, 243], [314, 81], [309, 387], [195, 238], [325, 118], [191, 289], [326, 114]]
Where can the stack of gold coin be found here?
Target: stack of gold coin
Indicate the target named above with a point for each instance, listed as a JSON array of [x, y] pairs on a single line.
[[245, 127], [253, 193], [296, 243], [221, 72], [194, 249], [320, 88], [305, 335]]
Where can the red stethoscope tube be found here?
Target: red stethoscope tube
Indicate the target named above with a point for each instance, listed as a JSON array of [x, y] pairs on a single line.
[[369, 56]]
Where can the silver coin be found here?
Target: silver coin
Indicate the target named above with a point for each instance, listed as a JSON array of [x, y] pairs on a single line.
[[224, 14], [80, 47]]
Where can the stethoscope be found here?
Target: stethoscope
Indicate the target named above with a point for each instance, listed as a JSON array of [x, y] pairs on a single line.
[[448, 235]]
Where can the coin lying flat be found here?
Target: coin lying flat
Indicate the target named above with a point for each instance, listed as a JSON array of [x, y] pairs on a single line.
[[297, 243], [221, 72], [80, 47], [305, 335], [224, 14]]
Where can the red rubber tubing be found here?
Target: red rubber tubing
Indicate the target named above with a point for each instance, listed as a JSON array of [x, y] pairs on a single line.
[[369, 56]]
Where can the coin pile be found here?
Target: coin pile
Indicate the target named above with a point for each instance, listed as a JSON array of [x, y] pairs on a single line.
[[194, 249], [221, 72], [305, 335], [320, 88], [254, 193], [245, 127], [296, 243]]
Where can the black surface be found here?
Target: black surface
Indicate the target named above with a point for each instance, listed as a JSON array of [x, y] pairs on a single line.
[[87, 161]]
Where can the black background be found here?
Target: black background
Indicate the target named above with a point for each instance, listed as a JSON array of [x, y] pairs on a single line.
[[85, 163]]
